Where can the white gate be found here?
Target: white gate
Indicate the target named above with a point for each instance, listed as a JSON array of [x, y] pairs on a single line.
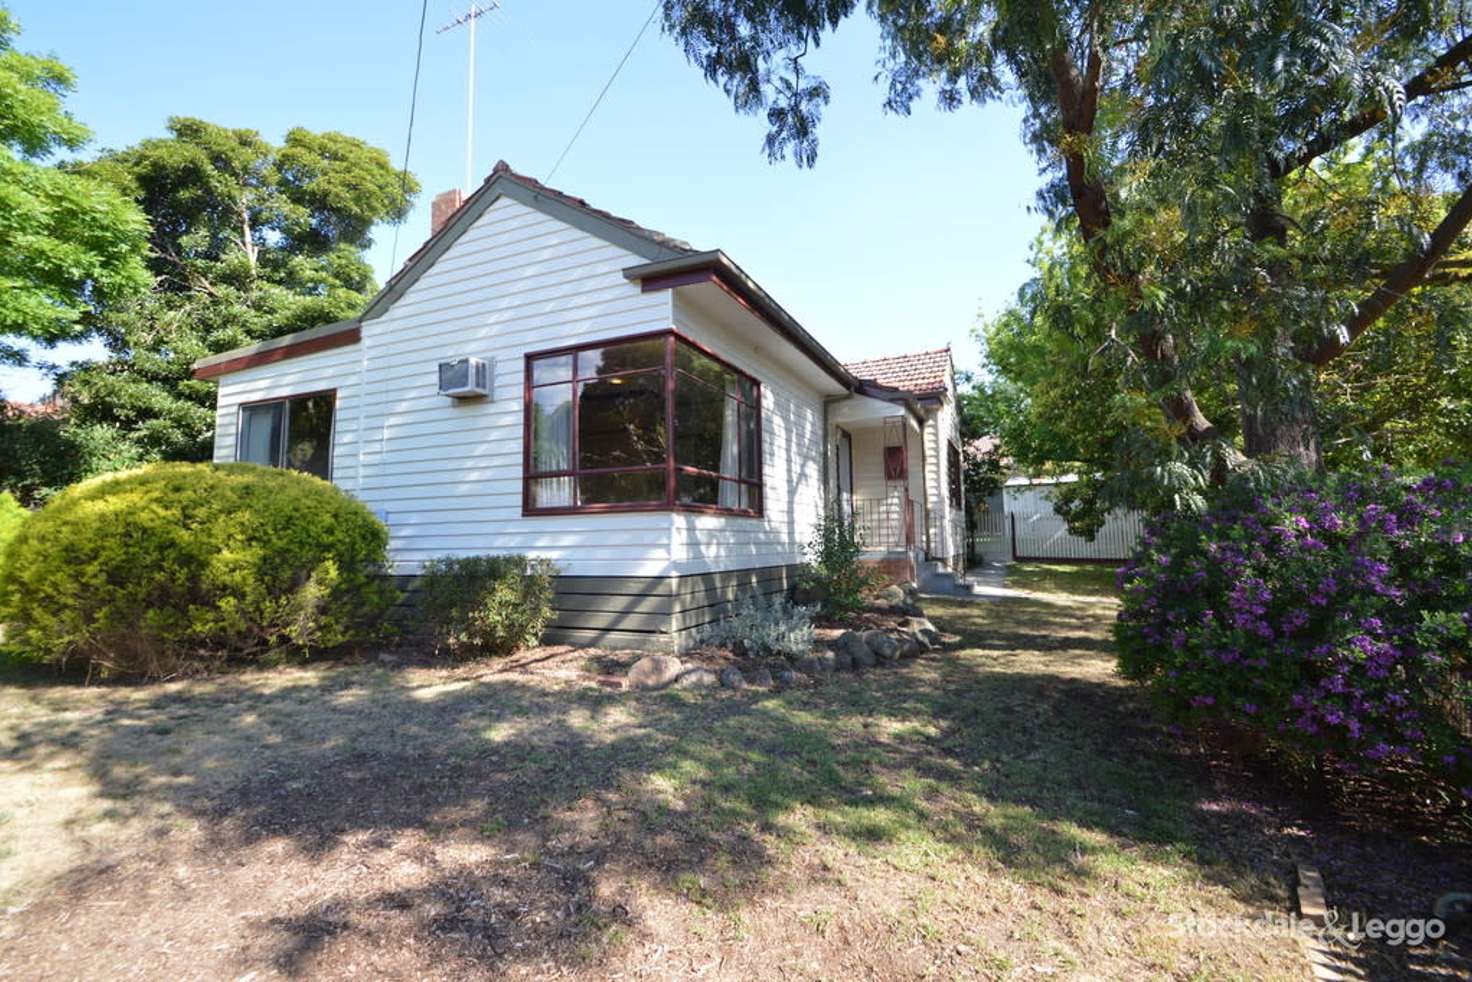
[[1037, 533]]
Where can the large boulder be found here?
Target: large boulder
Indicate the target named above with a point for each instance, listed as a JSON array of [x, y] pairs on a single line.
[[654, 672], [843, 661], [697, 678], [851, 644], [910, 646], [759, 677], [885, 647], [817, 662], [732, 678]]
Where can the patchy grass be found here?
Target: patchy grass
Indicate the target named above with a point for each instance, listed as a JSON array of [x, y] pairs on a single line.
[[1006, 808], [1068, 579]]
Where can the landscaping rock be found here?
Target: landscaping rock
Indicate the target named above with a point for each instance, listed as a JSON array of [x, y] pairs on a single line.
[[760, 678], [859, 655], [654, 672], [885, 648], [912, 609], [843, 661], [923, 630], [891, 596], [732, 678], [786, 678], [910, 646], [819, 662], [697, 678]]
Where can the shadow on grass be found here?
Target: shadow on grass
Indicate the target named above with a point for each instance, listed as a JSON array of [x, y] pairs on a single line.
[[1017, 750]]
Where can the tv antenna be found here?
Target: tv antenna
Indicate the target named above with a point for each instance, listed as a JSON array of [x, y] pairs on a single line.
[[468, 19]]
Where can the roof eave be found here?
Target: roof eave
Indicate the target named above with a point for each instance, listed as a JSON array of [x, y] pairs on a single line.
[[324, 337], [683, 270]]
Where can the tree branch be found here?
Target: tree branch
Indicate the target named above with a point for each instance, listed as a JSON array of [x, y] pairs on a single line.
[[1404, 278], [1429, 81]]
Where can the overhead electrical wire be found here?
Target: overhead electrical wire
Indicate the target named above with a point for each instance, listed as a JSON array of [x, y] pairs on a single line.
[[409, 138], [606, 86]]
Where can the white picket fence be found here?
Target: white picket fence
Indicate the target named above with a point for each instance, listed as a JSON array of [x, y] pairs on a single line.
[[1029, 529]]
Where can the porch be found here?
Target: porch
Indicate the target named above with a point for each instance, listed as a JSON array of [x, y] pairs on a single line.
[[878, 477]]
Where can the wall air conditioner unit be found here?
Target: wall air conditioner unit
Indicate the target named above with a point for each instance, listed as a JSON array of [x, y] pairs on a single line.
[[465, 378]]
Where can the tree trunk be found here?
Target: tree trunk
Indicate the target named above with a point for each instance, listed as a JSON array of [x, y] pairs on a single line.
[[1278, 417]]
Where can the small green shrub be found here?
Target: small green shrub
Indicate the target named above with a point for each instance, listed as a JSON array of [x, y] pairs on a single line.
[[11, 517], [178, 567], [765, 626], [833, 566], [486, 604]]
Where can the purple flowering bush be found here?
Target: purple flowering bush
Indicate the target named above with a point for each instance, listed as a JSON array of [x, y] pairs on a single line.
[[1331, 617]]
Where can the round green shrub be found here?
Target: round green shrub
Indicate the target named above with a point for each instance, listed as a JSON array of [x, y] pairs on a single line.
[[178, 567], [11, 516], [492, 605]]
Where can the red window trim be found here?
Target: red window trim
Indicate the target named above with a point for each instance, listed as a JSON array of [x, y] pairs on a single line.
[[670, 467]]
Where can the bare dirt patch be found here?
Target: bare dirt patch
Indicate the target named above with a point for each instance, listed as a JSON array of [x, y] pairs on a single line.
[[1006, 808]]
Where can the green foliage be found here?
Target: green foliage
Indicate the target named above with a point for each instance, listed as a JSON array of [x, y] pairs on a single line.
[[490, 605], [68, 242], [250, 241], [42, 452], [11, 517], [833, 565], [1330, 617], [180, 567], [1240, 192], [764, 627]]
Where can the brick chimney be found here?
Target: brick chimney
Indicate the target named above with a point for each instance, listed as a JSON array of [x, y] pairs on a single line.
[[445, 205]]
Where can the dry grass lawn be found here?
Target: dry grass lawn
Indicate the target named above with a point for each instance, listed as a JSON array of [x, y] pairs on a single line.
[[1006, 808]]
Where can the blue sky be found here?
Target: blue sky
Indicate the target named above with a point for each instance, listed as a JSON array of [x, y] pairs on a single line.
[[906, 230]]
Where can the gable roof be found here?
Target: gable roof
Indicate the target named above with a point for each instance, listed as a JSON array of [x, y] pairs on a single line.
[[505, 182], [922, 372]]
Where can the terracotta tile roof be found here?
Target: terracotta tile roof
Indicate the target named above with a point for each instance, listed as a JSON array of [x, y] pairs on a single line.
[[923, 371]]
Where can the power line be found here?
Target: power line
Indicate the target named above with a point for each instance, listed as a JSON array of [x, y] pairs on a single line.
[[607, 85], [409, 138]]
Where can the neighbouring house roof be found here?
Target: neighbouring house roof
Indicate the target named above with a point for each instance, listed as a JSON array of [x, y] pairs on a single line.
[[924, 372], [49, 407]]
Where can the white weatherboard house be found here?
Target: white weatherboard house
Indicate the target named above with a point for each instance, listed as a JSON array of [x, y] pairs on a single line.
[[547, 378]]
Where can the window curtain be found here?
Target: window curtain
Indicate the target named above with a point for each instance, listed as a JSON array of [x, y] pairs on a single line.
[[552, 447], [730, 494]]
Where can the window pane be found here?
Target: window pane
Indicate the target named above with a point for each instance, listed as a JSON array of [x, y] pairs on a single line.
[[637, 487], [699, 425], [551, 492], [751, 497], [750, 460], [552, 429], [627, 357], [557, 368], [260, 439], [697, 489], [706, 369], [621, 421], [309, 435], [748, 389]]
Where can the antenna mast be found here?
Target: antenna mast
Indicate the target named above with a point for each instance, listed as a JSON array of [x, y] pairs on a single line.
[[469, 18]]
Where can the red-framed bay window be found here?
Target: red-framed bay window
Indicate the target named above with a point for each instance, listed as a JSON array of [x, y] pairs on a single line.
[[651, 422]]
